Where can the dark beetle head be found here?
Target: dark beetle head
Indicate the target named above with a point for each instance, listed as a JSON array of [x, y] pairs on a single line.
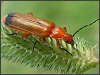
[[69, 39]]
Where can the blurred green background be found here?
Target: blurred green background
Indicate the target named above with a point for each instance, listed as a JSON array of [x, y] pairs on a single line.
[[72, 14]]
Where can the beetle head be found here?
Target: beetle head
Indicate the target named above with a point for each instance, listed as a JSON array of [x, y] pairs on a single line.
[[69, 39]]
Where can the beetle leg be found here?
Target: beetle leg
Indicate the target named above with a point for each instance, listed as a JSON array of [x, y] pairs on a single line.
[[34, 45], [25, 35], [12, 34], [57, 43], [65, 29], [66, 51], [74, 47], [43, 40]]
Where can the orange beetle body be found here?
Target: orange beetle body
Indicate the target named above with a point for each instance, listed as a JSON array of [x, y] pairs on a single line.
[[31, 25]]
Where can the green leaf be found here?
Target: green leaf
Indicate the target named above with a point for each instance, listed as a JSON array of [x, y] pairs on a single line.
[[47, 55]]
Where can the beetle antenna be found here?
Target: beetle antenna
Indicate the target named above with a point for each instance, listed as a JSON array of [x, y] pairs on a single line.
[[85, 26]]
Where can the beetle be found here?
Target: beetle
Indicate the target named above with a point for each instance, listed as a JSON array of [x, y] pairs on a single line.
[[31, 25], [28, 24]]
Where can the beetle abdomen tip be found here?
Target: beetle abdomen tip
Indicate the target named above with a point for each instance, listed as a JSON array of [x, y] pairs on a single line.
[[9, 18]]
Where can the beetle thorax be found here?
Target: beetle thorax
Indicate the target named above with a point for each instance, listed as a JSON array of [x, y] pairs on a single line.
[[57, 32]]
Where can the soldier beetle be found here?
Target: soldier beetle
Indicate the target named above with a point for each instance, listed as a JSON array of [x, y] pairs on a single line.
[[28, 24]]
